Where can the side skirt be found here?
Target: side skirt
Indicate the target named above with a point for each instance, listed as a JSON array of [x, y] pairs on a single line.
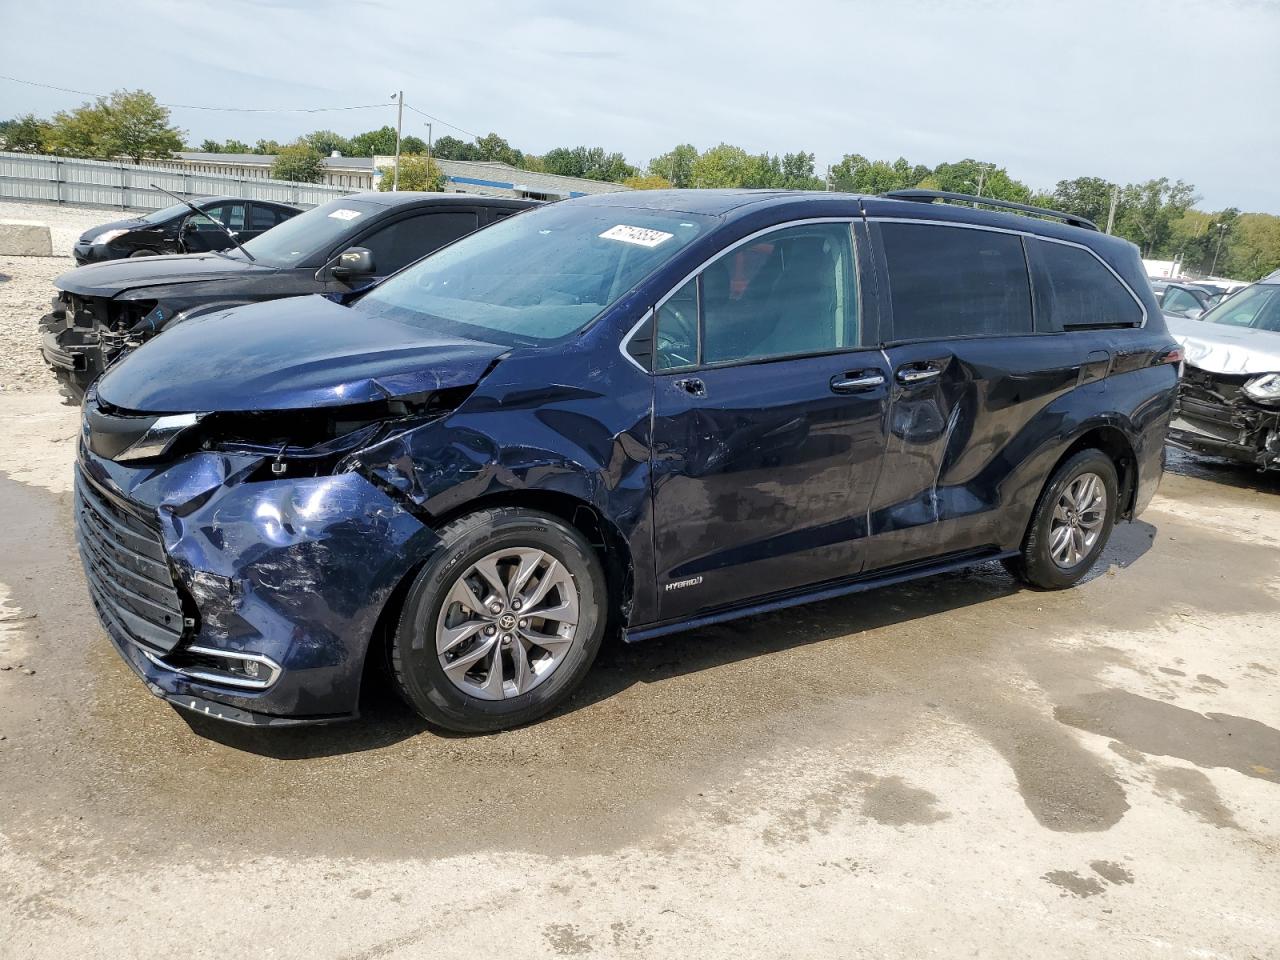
[[844, 588]]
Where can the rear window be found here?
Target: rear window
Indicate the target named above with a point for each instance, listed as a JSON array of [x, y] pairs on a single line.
[[1076, 290], [956, 282]]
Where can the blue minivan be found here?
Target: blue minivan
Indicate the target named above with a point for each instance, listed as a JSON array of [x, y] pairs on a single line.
[[639, 412]]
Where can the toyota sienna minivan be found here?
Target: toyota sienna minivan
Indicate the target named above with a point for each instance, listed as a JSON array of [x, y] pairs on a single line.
[[640, 412]]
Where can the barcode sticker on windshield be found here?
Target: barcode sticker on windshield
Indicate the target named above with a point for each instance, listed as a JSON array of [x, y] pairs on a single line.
[[637, 235], [345, 214]]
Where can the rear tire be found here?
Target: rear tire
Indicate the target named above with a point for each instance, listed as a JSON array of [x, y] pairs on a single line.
[[502, 623], [1071, 524], [144, 252]]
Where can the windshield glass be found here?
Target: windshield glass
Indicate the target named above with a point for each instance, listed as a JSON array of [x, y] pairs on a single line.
[[1257, 306], [293, 241], [168, 213], [535, 277]]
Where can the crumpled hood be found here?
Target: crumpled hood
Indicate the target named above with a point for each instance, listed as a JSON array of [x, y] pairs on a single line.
[[115, 276], [1220, 348], [289, 355]]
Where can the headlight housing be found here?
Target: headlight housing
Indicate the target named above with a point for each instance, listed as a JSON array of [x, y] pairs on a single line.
[[1264, 389], [102, 239]]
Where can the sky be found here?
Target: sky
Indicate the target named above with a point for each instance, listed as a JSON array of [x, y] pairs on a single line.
[[1127, 90]]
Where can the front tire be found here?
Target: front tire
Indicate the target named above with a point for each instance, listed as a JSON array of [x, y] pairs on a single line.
[[503, 622], [1071, 524]]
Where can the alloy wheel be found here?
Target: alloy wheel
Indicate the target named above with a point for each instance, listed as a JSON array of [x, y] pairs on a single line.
[[1077, 520], [507, 623]]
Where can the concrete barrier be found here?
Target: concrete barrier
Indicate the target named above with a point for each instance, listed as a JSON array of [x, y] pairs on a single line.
[[24, 238]]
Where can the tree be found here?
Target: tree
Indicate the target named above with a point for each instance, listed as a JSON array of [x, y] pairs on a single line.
[[856, 174], [267, 148], [24, 134], [1253, 248], [298, 163], [326, 142], [983, 179], [650, 181], [1147, 211], [590, 162], [676, 165], [129, 123], [382, 143], [416, 173], [451, 148], [495, 148], [797, 172], [722, 166], [1088, 197]]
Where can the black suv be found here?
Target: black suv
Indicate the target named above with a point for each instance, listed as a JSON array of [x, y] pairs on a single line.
[[104, 309], [656, 410], [178, 229]]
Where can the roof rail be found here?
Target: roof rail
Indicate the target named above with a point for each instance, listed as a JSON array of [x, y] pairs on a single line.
[[928, 196]]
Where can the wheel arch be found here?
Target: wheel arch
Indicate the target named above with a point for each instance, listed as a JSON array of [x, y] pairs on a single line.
[[1115, 443]]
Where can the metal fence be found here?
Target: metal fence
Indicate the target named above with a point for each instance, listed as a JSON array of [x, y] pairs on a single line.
[[100, 183]]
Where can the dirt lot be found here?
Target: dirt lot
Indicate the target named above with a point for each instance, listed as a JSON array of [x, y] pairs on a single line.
[[951, 768]]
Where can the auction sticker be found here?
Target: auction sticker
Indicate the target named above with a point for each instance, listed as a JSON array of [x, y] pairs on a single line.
[[640, 236], [345, 214]]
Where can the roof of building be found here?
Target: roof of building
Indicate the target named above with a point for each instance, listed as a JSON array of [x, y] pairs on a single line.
[[477, 172]]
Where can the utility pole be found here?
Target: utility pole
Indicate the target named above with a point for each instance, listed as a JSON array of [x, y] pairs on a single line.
[[982, 173], [428, 144], [1111, 214], [395, 176], [1222, 228]]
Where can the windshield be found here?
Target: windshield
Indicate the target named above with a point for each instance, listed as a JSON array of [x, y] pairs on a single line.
[[168, 213], [535, 277], [1257, 306], [298, 238]]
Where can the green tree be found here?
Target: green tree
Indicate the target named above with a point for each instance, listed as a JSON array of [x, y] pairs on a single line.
[[723, 166], [24, 134], [129, 123], [267, 148], [1147, 212], [649, 181], [676, 165], [1088, 197], [299, 163], [451, 148], [797, 172], [382, 142], [856, 174], [982, 179], [1252, 247], [590, 162], [495, 148], [416, 173], [326, 142]]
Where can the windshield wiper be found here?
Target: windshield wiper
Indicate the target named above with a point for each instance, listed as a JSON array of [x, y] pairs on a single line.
[[212, 219]]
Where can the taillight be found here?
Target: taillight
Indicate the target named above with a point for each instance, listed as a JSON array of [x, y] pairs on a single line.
[[1174, 355]]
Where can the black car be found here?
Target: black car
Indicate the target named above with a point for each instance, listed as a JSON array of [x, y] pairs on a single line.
[[103, 309], [654, 410], [177, 229]]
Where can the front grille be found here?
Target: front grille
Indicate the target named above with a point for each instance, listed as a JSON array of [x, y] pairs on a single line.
[[128, 573]]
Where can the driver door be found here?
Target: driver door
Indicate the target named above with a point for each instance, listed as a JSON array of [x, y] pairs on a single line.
[[769, 407], [201, 235]]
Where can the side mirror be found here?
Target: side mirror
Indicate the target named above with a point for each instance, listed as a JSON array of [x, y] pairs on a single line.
[[353, 263], [188, 225]]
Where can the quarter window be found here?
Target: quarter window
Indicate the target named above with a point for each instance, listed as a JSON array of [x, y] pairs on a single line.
[[1080, 292], [790, 293], [956, 282]]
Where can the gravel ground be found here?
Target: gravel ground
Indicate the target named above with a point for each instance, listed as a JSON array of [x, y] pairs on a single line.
[[26, 284]]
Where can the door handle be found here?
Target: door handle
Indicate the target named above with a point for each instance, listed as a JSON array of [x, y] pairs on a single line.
[[914, 375], [692, 386], [856, 383]]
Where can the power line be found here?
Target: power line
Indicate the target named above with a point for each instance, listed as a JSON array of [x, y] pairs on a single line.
[[473, 136], [192, 106]]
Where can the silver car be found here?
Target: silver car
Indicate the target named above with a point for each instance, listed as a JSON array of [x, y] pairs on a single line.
[[1229, 396]]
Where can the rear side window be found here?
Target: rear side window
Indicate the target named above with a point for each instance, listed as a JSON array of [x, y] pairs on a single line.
[[399, 244], [264, 218], [956, 282], [1075, 290]]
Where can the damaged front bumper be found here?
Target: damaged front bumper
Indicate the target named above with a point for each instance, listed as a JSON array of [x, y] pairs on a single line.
[[1214, 416], [250, 600]]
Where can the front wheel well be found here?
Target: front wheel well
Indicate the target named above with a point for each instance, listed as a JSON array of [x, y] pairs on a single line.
[[1115, 445], [604, 537]]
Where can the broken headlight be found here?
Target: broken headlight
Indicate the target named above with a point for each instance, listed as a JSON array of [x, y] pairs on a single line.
[[1263, 389]]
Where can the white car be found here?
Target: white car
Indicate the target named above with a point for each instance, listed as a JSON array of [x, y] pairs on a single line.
[[1229, 395]]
